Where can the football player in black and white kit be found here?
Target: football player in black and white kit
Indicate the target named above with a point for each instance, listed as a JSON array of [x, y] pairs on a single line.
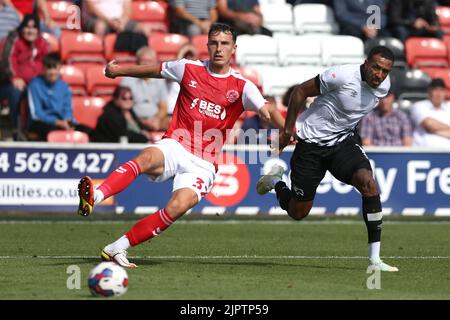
[[326, 140]]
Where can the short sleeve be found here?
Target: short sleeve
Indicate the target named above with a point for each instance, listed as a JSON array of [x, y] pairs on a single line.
[[331, 79], [173, 70], [252, 99]]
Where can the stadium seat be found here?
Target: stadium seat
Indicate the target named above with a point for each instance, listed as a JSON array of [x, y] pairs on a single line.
[[167, 45], [276, 80], [65, 136], [256, 49], [341, 50], [99, 85], [394, 44], [87, 110], [75, 78], [200, 43], [123, 57], [83, 49], [53, 43], [443, 14], [426, 52], [314, 18], [63, 13], [152, 13], [250, 74], [278, 17], [410, 84], [303, 49]]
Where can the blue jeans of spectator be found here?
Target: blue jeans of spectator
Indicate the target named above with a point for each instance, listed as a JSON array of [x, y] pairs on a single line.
[[8, 91]]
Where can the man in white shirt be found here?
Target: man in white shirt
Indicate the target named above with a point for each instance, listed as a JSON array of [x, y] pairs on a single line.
[[431, 118], [150, 95], [327, 141]]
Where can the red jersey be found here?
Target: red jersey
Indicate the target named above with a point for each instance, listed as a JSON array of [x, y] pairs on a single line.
[[208, 105]]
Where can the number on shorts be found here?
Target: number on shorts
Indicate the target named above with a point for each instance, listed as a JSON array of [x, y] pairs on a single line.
[[200, 184]]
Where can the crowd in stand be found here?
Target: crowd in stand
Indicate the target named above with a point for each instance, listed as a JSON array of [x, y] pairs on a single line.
[[37, 100]]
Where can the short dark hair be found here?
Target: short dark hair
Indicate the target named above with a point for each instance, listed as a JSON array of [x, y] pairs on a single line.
[[222, 27], [383, 51], [52, 60]]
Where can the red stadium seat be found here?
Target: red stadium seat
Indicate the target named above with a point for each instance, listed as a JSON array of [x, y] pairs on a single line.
[[167, 45], [426, 52], [65, 136], [75, 78], [152, 13], [63, 12], [443, 14], [52, 41], [250, 74], [200, 43], [83, 49], [87, 110], [444, 74], [110, 54], [99, 85]]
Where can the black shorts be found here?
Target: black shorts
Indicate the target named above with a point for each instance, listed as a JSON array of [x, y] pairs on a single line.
[[310, 162]]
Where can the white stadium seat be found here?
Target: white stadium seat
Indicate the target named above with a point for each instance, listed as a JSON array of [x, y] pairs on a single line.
[[303, 49], [342, 50], [264, 2], [276, 80], [256, 49], [278, 17], [314, 18]]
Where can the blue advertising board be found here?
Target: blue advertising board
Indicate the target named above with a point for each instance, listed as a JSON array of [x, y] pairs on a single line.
[[42, 177]]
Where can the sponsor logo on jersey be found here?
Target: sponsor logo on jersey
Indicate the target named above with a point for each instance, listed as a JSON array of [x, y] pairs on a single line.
[[209, 109], [232, 96]]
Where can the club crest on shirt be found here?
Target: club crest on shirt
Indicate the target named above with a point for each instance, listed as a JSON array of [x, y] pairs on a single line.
[[232, 96]]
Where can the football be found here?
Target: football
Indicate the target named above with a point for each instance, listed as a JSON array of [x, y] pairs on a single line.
[[108, 279]]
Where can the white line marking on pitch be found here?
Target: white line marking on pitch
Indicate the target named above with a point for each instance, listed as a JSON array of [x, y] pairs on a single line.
[[244, 257]]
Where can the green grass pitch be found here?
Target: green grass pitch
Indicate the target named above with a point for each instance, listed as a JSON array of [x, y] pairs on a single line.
[[205, 260]]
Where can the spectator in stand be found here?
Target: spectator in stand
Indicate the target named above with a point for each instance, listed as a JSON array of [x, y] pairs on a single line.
[[192, 17], [21, 61], [386, 126], [418, 18], [38, 7], [431, 118], [50, 102], [9, 18], [187, 51], [119, 120], [106, 16], [325, 2], [244, 16], [149, 95], [353, 18]]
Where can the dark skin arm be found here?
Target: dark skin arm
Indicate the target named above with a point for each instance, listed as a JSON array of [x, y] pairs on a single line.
[[297, 102]]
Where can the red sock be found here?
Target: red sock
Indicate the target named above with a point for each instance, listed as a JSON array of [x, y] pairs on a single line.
[[149, 227], [120, 179]]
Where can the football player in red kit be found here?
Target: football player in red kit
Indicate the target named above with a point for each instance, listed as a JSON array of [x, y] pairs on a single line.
[[211, 99]]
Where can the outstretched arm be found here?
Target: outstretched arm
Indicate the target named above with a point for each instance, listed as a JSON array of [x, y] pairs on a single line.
[[114, 70], [297, 102]]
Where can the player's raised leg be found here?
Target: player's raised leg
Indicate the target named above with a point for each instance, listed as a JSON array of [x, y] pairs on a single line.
[[149, 161], [372, 213], [145, 229]]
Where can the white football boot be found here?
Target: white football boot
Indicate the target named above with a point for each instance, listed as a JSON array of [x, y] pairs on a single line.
[[117, 256], [267, 182], [380, 265]]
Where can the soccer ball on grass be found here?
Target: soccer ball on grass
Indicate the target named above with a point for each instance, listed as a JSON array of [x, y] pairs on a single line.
[[108, 279]]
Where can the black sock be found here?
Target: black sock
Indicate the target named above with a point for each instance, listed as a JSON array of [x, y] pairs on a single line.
[[372, 217], [283, 194]]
